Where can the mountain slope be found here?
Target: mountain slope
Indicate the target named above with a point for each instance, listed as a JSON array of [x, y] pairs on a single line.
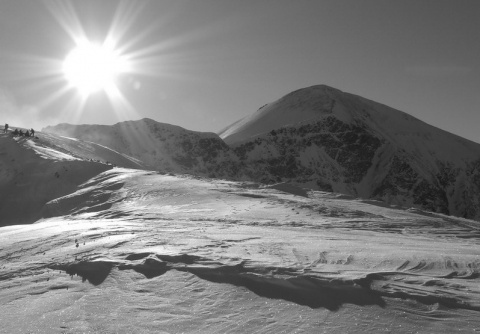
[[323, 138], [34, 171], [158, 146]]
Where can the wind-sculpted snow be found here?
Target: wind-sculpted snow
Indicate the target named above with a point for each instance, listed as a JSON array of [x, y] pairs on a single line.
[[158, 252]]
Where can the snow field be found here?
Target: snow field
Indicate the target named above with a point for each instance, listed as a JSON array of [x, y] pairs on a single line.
[[182, 254]]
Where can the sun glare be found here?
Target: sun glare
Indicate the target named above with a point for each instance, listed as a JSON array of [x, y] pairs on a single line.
[[112, 66], [91, 67]]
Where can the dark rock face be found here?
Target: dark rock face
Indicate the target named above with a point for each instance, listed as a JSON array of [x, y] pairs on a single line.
[[403, 182], [471, 192], [399, 179], [311, 152], [351, 146]]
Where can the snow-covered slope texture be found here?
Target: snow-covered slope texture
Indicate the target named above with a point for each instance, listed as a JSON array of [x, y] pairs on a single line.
[[159, 146], [36, 170], [327, 139], [136, 251]]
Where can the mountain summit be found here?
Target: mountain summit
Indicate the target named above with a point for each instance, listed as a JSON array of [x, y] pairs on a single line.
[[318, 102], [302, 105]]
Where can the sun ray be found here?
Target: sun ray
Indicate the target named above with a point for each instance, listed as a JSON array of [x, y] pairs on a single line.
[[124, 18], [66, 16], [24, 66], [75, 108], [123, 107], [50, 99]]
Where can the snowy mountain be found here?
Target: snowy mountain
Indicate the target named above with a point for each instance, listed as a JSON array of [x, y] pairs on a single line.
[[326, 139], [158, 146]]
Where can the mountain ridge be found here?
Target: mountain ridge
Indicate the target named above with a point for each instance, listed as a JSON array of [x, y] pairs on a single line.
[[320, 138], [159, 146]]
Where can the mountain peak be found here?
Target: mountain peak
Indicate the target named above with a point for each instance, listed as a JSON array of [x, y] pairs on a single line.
[[296, 107], [316, 89], [311, 104]]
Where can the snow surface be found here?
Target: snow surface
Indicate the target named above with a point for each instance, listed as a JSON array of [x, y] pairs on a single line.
[[135, 251]]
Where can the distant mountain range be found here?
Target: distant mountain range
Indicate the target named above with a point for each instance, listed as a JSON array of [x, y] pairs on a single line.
[[319, 138]]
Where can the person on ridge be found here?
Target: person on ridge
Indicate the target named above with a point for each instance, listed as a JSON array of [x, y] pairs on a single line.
[[32, 132], [6, 128]]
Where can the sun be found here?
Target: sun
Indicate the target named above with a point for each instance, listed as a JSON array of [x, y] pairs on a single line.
[[109, 64], [91, 67]]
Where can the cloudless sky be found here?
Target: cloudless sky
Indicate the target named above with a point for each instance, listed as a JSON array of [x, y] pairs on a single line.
[[203, 64]]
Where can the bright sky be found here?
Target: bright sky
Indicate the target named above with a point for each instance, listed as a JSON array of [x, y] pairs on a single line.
[[203, 64]]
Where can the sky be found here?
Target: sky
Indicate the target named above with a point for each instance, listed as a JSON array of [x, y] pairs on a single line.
[[204, 64]]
